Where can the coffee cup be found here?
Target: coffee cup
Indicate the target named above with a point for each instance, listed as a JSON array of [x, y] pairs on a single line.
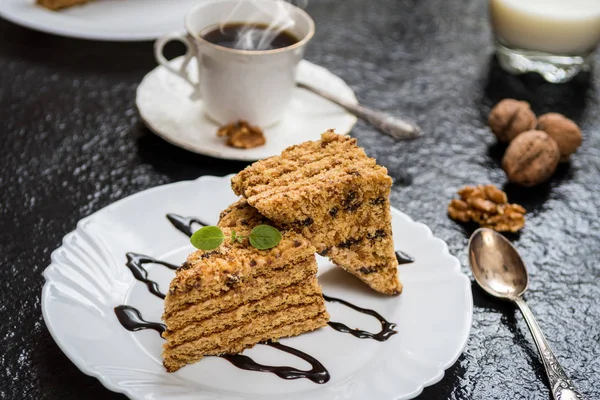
[[240, 84]]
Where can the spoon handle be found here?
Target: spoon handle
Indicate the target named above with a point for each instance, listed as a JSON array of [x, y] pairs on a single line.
[[560, 384], [397, 128]]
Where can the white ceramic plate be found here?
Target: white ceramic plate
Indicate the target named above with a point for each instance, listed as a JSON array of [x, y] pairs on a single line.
[[88, 278], [168, 107], [122, 20]]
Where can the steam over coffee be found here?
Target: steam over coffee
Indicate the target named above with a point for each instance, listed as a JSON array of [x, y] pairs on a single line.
[[246, 36]]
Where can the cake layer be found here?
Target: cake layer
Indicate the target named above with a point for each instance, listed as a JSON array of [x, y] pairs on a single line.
[[195, 304], [230, 320], [300, 162], [286, 323], [332, 167], [304, 293]]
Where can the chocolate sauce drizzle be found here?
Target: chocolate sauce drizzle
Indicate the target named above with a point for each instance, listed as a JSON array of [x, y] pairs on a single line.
[[387, 328], [135, 263], [317, 373], [184, 224], [131, 319], [403, 258]]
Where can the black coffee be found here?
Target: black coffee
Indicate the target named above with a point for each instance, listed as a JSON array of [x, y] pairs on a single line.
[[243, 36]]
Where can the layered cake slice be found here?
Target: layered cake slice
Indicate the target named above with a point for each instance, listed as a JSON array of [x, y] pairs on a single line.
[[58, 4], [333, 194], [225, 300]]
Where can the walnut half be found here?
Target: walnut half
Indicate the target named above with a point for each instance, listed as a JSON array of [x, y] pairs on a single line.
[[242, 135], [487, 206]]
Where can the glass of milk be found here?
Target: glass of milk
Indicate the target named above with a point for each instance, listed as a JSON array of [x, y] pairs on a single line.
[[555, 38]]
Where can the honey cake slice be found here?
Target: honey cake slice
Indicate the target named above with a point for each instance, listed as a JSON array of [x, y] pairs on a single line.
[[331, 192], [231, 298]]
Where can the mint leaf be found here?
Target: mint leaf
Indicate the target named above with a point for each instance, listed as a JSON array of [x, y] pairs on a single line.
[[264, 237], [207, 238]]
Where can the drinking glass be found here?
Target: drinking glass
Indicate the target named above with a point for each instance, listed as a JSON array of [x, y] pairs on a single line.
[[555, 38]]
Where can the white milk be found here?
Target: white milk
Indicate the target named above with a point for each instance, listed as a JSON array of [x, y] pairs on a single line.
[[565, 27]]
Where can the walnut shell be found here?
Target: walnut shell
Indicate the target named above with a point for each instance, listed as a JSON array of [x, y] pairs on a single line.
[[531, 158], [509, 118], [565, 132]]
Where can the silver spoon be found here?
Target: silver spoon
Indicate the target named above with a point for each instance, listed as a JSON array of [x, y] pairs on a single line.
[[397, 128], [500, 271]]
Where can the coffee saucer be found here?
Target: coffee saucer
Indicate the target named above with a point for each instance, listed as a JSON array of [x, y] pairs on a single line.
[[170, 108]]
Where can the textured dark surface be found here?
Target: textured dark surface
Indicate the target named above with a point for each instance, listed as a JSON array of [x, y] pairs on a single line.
[[72, 143]]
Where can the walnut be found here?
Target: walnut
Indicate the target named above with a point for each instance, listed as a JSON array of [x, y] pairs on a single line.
[[565, 132], [509, 118], [487, 206], [459, 210], [242, 135], [496, 195], [531, 158], [510, 218]]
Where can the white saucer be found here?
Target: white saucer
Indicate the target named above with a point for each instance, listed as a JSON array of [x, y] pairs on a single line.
[[166, 105], [122, 20]]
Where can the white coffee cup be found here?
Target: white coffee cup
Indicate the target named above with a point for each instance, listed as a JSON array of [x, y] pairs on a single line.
[[251, 85]]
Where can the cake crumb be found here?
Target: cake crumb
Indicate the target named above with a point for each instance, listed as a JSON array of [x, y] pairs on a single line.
[[242, 135]]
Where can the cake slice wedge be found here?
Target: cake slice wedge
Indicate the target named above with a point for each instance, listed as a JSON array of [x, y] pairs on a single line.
[[231, 298], [332, 193]]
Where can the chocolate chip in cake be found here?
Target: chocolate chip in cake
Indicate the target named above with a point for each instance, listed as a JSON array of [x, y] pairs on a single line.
[[232, 279], [349, 198], [379, 233], [207, 254], [367, 270], [333, 212], [346, 244], [308, 221], [351, 202], [305, 222], [185, 266], [377, 201]]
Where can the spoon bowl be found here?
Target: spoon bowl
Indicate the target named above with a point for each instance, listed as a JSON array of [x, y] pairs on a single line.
[[496, 265]]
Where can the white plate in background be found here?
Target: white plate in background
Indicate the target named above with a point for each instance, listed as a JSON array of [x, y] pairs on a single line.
[[118, 20]]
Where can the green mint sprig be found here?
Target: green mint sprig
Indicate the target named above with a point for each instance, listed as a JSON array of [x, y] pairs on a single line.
[[262, 237]]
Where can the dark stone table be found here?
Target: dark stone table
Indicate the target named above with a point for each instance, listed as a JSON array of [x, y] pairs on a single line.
[[72, 143]]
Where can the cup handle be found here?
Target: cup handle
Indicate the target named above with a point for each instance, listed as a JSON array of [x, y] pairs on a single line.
[[190, 53]]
